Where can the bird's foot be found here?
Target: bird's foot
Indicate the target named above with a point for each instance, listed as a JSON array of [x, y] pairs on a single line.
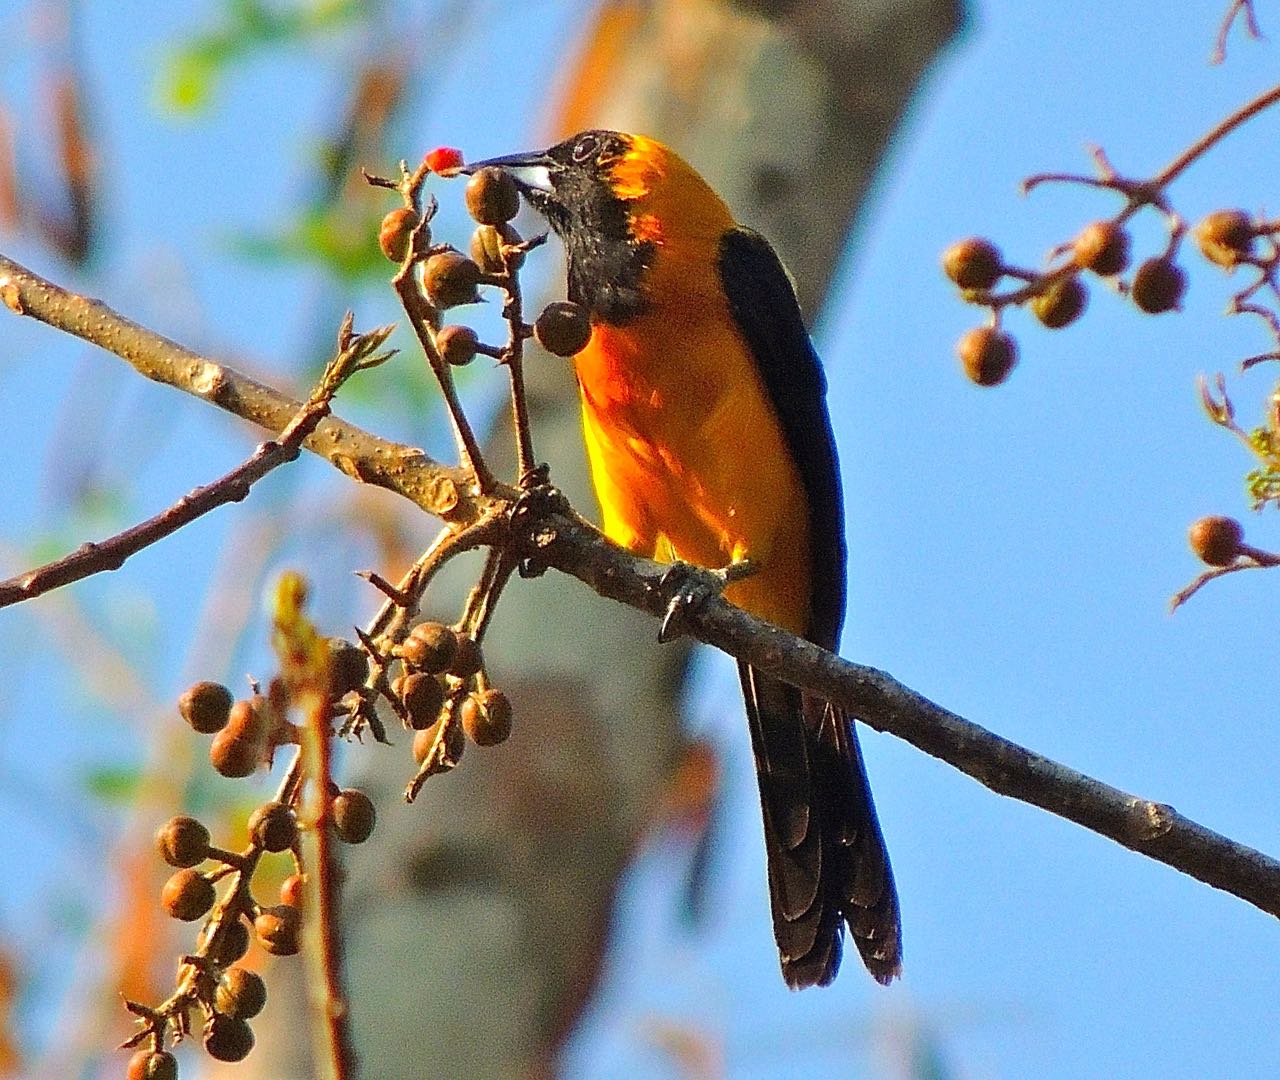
[[694, 586]]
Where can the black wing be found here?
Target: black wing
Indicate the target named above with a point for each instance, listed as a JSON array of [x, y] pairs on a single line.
[[827, 860], [764, 306]]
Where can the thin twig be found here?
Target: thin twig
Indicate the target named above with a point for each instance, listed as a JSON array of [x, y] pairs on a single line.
[[1219, 131], [513, 355], [304, 662], [110, 554], [439, 489], [1228, 20]]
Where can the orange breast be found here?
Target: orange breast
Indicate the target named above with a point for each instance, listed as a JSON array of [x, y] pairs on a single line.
[[687, 456]]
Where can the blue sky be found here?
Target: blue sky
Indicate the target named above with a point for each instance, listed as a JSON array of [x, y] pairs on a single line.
[[1011, 551]]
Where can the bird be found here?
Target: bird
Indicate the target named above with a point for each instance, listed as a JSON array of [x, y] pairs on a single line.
[[710, 446]]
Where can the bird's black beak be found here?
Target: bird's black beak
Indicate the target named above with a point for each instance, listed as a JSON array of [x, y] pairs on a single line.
[[532, 172]]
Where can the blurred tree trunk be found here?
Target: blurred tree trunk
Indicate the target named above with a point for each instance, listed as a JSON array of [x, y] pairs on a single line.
[[476, 919]]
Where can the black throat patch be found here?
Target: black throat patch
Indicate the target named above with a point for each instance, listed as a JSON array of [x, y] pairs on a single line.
[[606, 263]]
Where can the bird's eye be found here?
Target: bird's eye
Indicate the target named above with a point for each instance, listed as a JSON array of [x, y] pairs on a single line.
[[585, 148]]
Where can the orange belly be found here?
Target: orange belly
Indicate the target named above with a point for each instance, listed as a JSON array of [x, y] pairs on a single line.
[[688, 459]]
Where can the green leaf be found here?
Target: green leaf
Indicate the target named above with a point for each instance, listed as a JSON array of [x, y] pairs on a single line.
[[117, 784]]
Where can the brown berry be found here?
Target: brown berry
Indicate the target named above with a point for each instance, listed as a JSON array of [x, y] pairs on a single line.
[[987, 355], [430, 646], [1102, 247], [183, 842], [492, 196], [450, 279], [1216, 539], [277, 929], [353, 816], [227, 1038], [273, 827], [467, 659], [486, 248], [1159, 285], [206, 706], [152, 1065], [231, 942], [973, 263], [563, 328], [292, 889], [187, 895], [457, 345], [486, 717], [423, 696], [455, 741], [1225, 237], [240, 747], [396, 234], [1061, 304], [348, 666], [235, 755], [240, 993]]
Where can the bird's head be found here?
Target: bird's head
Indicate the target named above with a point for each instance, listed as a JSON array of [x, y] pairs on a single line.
[[612, 198]]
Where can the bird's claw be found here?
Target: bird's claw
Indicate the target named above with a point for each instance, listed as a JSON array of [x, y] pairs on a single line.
[[694, 587]]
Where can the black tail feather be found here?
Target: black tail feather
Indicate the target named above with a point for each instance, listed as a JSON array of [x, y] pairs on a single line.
[[827, 860]]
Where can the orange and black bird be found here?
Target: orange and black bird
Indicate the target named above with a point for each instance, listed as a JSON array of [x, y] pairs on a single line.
[[706, 426]]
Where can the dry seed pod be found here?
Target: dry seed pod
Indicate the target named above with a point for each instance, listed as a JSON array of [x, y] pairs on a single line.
[[431, 647], [396, 234], [467, 659], [1216, 539], [1061, 304], [563, 328], [1158, 286], [240, 747], [348, 666], [457, 345], [486, 247], [240, 993], [183, 842], [187, 895], [273, 827], [353, 816], [234, 755], [152, 1065], [987, 355], [422, 695], [973, 263], [455, 741], [231, 943], [292, 889], [277, 929], [486, 717], [206, 706], [1225, 237], [492, 196], [450, 279], [1102, 247], [227, 1038]]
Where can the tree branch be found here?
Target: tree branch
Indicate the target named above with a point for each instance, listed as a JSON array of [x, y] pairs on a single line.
[[355, 352], [436, 488], [553, 536]]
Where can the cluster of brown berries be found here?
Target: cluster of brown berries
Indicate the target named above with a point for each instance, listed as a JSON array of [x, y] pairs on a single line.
[[244, 733], [1058, 297], [247, 732], [438, 693], [451, 279]]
